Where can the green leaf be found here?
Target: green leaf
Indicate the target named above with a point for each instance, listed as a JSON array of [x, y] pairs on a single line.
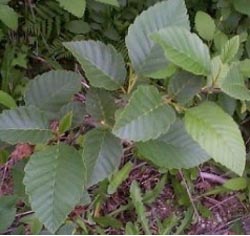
[[184, 49], [151, 195], [108, 221], [8, 16], [7, 100], [78, 110], [173, 150], [100, 105], [146, 56], [218, 134], [7, 211], [78, 27], [135, 194], [103, 65], [66, 122], [18, 175], [205, 25], [24, 125], [102, 153], [137, 121], [242, 6], [75, 7], [183, 86], [233, 84], [220, 39], [245, 67], [119, 177], [227, 103], [218, 72], [236, 184], [230, 49], [110, 2], [34, 224], [131, 229], [52, 90], [54, 183]]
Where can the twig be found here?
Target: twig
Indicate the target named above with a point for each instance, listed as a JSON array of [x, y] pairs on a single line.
[[222, 202], [4, 176], [190, 196], [24, 213], [212, 177]]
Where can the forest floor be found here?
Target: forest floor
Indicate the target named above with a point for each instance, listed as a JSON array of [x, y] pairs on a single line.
[[203, 208]]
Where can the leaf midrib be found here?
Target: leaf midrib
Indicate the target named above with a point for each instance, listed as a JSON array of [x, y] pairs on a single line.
[[138, 117]]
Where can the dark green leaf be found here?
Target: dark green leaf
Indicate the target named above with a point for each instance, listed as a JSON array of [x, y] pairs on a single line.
[[173, 150], [137, 121], [7, 211], [54, 179], [24, 125], [102, 153]]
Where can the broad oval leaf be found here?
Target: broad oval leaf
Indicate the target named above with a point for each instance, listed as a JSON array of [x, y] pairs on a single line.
[[145, 117], [184, 49], [242, 6], [7, 211], [218, 135], [24, 125], [101, 106], [54, 183], [52, 90], [183, 86], [218, 72], [173, 150], [146, 56], [233, 84], [230, 49], [8, 16], [103, 65], [75, 7], [245, 67], [205, 25], [102, 153]]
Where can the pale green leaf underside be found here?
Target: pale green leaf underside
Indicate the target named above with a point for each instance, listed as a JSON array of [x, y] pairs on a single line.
[[54, 183], [102, 153], [184, 49], [147, 57], [103, 65], [24, 125], [233, 84], [75, 7], [218, 135], [52, 90], [173, 150], [145, 117], [230, 49]]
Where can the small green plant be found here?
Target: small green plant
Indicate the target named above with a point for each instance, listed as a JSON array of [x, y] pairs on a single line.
[[165, 103]]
